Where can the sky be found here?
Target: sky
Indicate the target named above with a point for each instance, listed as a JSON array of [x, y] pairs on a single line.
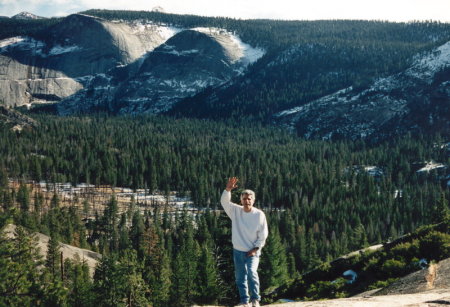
[[390, 10]]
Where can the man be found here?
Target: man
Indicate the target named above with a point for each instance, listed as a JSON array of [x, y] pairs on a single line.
[[248, 234]]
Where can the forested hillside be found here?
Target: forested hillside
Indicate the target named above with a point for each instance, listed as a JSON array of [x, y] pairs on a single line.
[[322, 199]]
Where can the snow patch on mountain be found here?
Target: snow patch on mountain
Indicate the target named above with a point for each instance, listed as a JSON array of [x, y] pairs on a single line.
[[36, 47], [26, 15], [58, 49], [425, 67], [237, 50], [171, 50], [361, 113], [23, 43], [165, 31]]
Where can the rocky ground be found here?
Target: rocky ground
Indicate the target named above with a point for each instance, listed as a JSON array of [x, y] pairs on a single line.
[[68, 251]]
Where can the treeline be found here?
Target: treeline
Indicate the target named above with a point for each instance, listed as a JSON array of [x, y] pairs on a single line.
[[26, 27], [281, 33]]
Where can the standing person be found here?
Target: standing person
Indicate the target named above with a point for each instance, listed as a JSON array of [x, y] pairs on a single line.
[[248, 234]]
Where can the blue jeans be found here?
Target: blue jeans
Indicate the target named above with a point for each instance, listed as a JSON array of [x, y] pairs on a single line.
[[245, 270]]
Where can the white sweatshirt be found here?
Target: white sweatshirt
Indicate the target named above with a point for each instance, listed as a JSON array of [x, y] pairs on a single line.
[[248, 229]]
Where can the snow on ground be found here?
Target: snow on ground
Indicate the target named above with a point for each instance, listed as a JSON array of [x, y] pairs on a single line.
[[68, 191], [426, 66], [58, 49], [28, 43], [431, 165], [238, 50], [22, 43], [11, 41]]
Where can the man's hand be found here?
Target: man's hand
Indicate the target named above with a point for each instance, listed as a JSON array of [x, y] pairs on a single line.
[[252, 252], [231, 184]]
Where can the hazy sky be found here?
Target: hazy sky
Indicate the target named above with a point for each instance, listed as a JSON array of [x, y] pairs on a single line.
[[392, 10]]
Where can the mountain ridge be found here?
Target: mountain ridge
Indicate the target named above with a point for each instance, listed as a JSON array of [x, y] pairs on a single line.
[[123, 65], [377, 109]]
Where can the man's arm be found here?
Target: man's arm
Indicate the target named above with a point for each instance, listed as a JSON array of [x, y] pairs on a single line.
[[225, 200], [262, 234]]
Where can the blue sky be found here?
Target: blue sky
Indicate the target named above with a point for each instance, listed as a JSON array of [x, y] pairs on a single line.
[[392, 10]]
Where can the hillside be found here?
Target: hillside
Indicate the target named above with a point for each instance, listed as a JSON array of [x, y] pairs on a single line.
[[122, 62], [68, 251], [414, 100]]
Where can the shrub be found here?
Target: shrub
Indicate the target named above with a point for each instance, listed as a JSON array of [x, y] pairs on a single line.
[[394, 268], [435, 245]]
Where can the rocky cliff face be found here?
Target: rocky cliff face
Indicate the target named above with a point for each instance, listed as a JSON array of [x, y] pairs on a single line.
[[417, 99], [89, 64], [74, 52], [188, 62]]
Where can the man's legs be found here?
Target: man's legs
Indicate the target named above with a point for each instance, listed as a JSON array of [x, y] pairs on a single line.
[[253, 278], [240, 272]]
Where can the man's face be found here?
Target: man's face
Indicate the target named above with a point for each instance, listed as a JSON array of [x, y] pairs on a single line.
[[247, 201]]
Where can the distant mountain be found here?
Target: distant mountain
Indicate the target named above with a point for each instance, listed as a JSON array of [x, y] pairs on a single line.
[[416, 99], [321, 79], [26, 15], [188, 62], [158, 9]]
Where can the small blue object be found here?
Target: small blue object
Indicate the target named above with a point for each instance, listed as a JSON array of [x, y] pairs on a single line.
[[423, 263], [350, 275]]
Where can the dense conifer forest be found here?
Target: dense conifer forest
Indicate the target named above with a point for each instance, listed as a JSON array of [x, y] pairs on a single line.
[[322, 200]]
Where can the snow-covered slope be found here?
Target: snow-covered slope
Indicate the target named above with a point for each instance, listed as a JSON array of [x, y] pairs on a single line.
[[415, 99], [26, 15], [87, 62], [189, 61]]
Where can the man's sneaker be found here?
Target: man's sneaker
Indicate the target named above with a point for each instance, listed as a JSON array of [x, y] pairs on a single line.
[[243, 305], [255, 303]]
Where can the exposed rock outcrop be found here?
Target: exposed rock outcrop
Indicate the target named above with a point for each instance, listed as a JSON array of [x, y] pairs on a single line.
[[417, 99], [17, 120], [68, 251], [74, 51]]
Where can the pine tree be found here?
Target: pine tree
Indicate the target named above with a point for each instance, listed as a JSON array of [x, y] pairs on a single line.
[[135, 288], [137, 232], [19, 262], [359, 238], [185, 271], [157, 272], [208, 277], [274, 261], [54, 203], [79, 283], [23, 198], [53, 257]]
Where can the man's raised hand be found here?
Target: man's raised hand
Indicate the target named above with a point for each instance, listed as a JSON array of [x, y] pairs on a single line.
[[231, 184]]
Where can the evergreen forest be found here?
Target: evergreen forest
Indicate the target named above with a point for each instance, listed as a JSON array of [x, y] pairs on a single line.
[[322, 199]]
